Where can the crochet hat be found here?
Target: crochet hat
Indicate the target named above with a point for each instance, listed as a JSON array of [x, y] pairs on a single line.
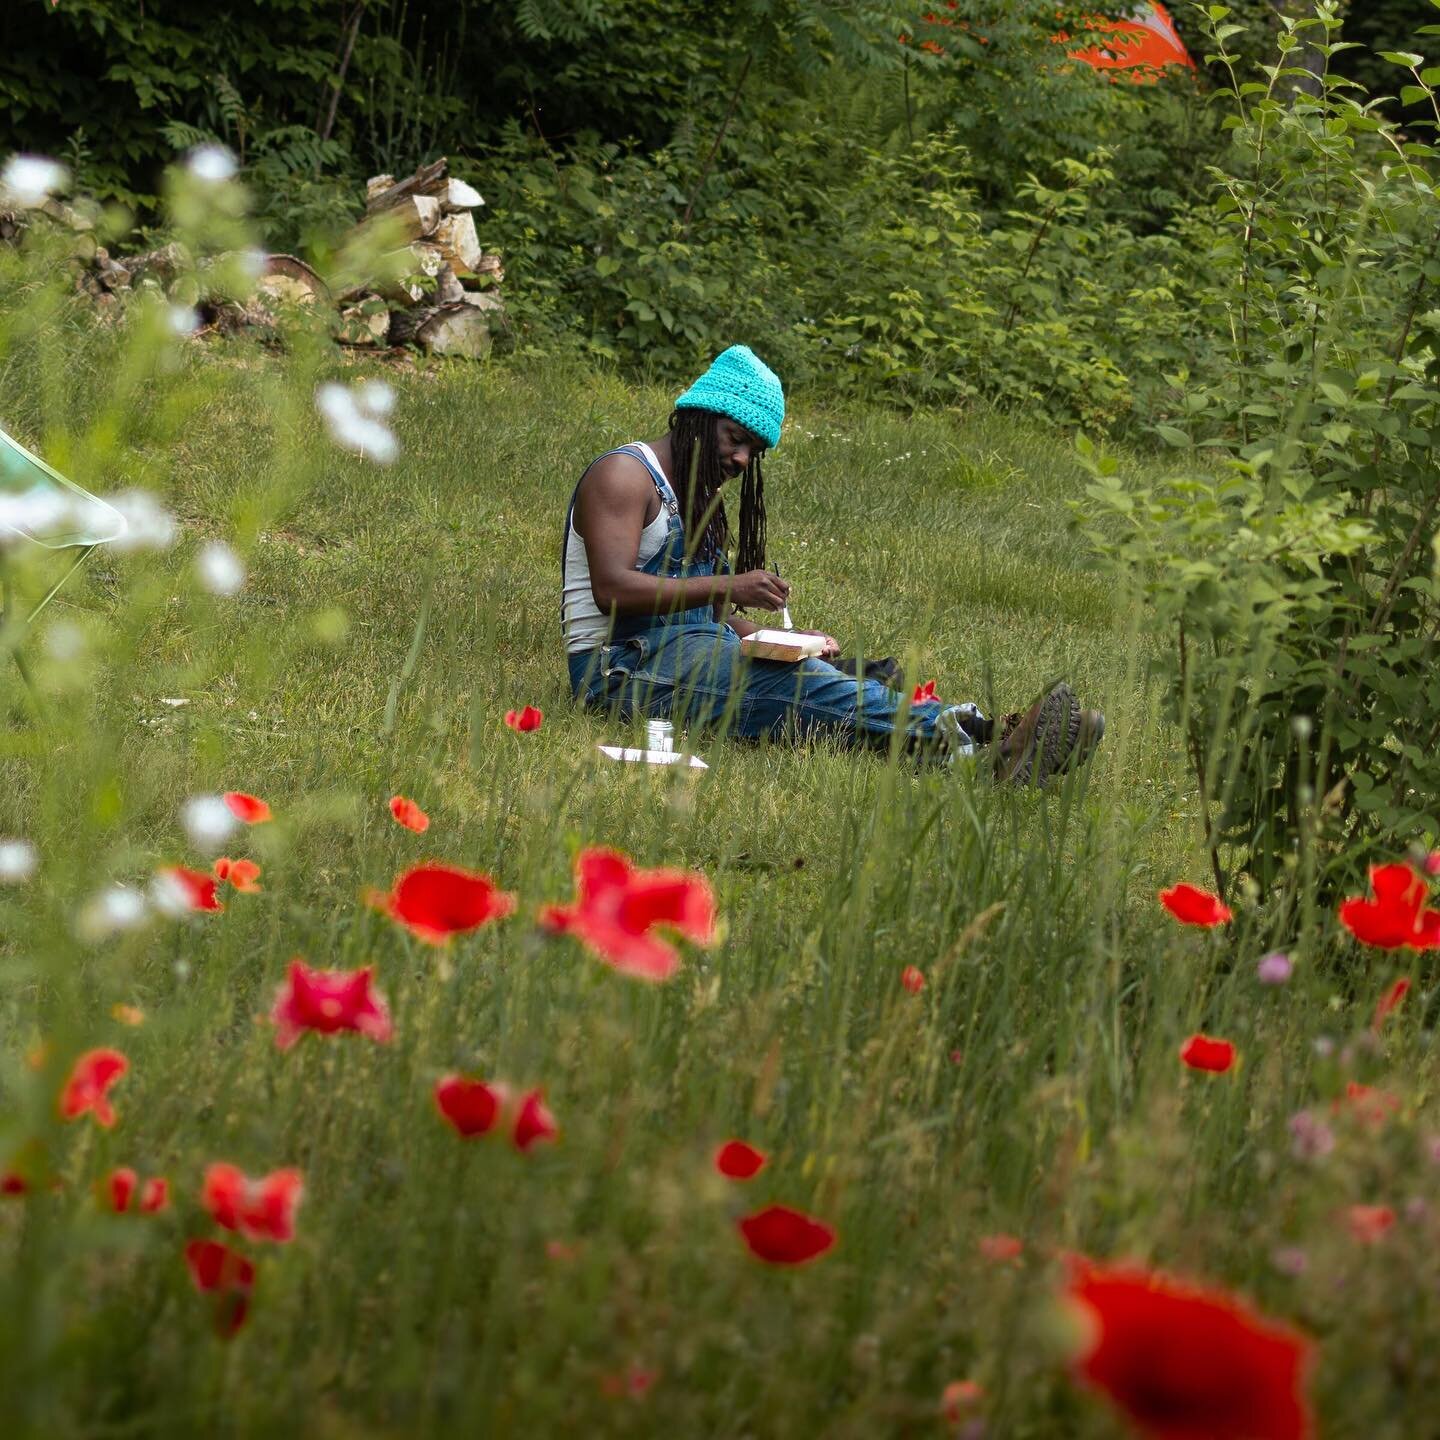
[[744, 388]]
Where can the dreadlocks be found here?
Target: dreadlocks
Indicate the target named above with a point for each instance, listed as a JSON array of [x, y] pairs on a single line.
[[699, 478]]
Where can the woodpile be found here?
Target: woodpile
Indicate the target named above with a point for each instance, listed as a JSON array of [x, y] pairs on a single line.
[[437, 288]]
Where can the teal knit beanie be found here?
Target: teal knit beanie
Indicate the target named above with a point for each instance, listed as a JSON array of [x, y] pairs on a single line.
[[743, 387]]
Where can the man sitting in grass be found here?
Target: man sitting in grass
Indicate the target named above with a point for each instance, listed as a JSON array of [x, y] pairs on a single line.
[[650, 606]]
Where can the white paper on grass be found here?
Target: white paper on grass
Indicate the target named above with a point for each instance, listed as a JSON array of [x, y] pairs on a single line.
[[653, 757]]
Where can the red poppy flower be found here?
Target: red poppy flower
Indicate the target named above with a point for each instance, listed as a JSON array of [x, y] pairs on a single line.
[[90, 1080], [1204, 1052], [533, 1121], [1370, 1106], [218, 1270], [524, 720], [1389, 1002], [958, 1398], [434, 902], [1001, 1248], [328, 1001], [261, 1209], [736, 1160], [635, 1382], [923, 693], [618, 907], [155, 1195], [913, 979], [242, 874], [247, 808], [13, 1183], [1192, 906], [118, 1188], [779, 1235], [1432, 863], [1369, 1224], [1189, 1364], [470, 1107], [1397, 915], [179, 889], [409, 814]]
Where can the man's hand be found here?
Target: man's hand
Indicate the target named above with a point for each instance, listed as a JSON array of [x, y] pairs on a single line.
[[832, 645], [759, 590]]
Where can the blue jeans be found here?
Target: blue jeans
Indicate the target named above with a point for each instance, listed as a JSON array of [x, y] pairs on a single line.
[[695, 675]]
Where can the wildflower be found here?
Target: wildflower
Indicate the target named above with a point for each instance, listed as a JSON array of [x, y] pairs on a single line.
[[779, 1235], [958, 1398], [409, 814], [1432, 863], [249, 809], [127, 1014], [1192, 906], [913, 979], [1182, 1362], [88, 1086], [524, 720], [213, 164], [618, 908], [634, 1383], [328, 1001], [218, 1270], [435, 902], [533, 1122], [1369, 1105], [242, 875], [182, 319], [114, 909], [1310, 1139], [1001, 1248], [155, 1195], [355, 419], [1290, 1260], [1204, 1052], [118, 1189], [1275, 968], [17, 861], [736, 1160], [208, 821], [221, 570], [1389, 1002], [470, 1107], [1397, 916], [261, 1209], [177, 891], [1369, 1224], [27, 179], [148, 524], [924, 693]]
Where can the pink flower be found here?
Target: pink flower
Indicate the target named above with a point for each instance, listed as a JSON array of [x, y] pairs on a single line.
[[328, 1001], [1311, 1139], [1275, 968], [262, 1209]]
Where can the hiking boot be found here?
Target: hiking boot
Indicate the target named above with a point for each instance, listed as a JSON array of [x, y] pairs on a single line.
[[1054, 735]]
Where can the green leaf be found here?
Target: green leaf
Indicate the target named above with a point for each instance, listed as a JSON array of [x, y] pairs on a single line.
[[1172, 436]]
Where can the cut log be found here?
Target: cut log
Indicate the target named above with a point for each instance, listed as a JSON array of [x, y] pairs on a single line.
[[483, 300], [458, 330], [163, 264], [447, 288], [455, 235], [292, 280], [404, 270], [377, 185], [490, 266], [425, 181], [367, 323], [457, 195]]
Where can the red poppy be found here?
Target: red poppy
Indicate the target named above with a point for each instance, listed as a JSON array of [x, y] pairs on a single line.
[[90, 1080], [409, 814], [923, 693], [470, 1107], [179, 889], [618, 907], [1389, 1002], [328, 1001], [1001, 1248], [1189, 1364], [434, 902], [1370, 1106], [217, 1269], [1193, 906], [958, 1398], [1369, 1224], [524, 720], [635, 1383], [1204, 1052], [779, 1235], [242, 874], [736, 1160], [13, 1183], [1397, 915], [1432, 863], [248, 808], [155, 1195], [533, 1121], [118, 1188], [261, 1209], [913, 979]]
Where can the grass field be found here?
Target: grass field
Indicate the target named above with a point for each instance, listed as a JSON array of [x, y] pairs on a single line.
[[390, 618]]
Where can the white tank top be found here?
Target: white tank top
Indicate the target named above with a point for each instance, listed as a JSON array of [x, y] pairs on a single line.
[[585, 626]]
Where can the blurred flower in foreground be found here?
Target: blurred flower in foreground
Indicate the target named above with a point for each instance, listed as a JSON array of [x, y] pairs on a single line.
[[86, 1090], [1001, 1248], [1397, 916], [779, 1235], [533, 1121], [913, 979], [207, 821], [221, 570], [212, 163], [1389, 1002], [409, 814], [1290, 1260], [27, 179], [118, 1189], [355, 418], [958, 1398], [127, 1014], [1372, 1107], [249, 809], [1369, 1224], [114, 909], [1182, 1362], [17, 861], [470, 1107], [261, 1209], [523, 721], [736, 1160], [328, 1001], [1310, 1139], [1275, 968], [924, 693], [1205, 1052], [182, 319], [618, 907], [148, 524], [217, 1269], [243, 875], [177, 891], [1193, 906], [435, 902]]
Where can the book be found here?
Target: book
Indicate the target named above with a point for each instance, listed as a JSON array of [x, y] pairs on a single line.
[[786, 645]]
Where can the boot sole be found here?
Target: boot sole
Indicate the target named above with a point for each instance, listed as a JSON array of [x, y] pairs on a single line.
[[1053, 742]]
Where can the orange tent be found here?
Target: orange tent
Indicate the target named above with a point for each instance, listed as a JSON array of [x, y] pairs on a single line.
[[1145, 43]]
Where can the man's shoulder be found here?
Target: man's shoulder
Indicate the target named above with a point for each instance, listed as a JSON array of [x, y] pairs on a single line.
[[618, 474]]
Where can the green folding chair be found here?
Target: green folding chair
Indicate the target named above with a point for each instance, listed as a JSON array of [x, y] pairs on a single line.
[[87, 521]]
